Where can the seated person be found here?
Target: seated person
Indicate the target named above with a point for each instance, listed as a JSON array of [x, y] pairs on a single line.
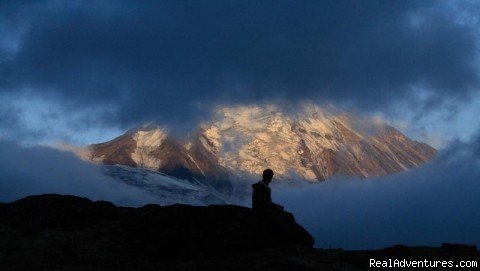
[[262, 195], [281, 220], [262, 200]]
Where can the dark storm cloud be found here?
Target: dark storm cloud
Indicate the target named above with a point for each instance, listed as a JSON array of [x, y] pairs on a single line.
[[166, 59], [427, 206]]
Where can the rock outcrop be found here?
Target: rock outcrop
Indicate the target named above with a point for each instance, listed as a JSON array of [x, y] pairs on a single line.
[[55, 229], [53, 232]]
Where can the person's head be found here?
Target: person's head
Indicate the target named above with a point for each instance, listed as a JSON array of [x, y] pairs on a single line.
[[267, 175]]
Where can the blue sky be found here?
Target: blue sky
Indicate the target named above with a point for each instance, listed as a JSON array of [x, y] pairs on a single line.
[[85, 71]]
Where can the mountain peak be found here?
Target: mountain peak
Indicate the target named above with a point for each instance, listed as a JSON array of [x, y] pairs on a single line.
[[315, 143]]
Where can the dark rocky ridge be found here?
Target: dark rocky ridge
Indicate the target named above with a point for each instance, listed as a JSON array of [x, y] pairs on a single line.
[[53, 232], [55, 229]]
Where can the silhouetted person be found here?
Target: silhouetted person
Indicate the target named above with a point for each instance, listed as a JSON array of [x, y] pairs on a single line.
[[262, 201], [262, 195], [283, 222]]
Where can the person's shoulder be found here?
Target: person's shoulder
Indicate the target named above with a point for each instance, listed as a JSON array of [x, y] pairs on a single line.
[[257, 185]]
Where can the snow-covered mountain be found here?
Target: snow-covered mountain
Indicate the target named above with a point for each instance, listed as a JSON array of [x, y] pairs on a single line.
[[315, 144]]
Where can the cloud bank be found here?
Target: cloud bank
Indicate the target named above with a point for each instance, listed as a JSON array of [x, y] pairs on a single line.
[[28, 171], [427, 206], [169, 60]]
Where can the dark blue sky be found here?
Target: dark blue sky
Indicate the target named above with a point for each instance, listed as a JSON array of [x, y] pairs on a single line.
[[102, 66]]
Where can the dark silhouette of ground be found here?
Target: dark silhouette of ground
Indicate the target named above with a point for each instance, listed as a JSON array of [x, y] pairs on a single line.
[[53, 232]]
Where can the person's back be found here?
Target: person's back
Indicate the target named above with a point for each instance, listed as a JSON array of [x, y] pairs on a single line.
[[262, 195]]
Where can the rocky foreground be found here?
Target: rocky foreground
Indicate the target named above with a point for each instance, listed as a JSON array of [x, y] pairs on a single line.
[[53, 232]]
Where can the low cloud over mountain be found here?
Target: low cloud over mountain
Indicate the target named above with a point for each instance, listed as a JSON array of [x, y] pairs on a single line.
[[426, 206], [37, 170]]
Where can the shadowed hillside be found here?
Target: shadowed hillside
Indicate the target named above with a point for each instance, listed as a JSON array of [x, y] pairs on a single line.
[[53, 232]]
